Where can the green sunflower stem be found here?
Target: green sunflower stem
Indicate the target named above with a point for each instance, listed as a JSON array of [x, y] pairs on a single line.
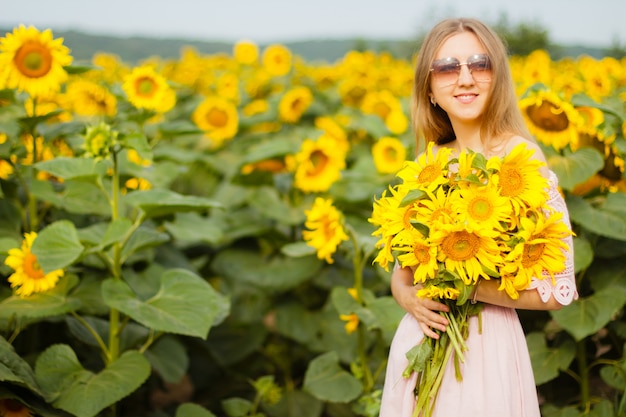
[[114, 315]]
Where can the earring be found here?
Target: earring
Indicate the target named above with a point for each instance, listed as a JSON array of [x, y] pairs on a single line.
[[432, 101]]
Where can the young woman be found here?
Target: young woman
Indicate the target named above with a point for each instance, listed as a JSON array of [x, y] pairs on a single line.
[[464, 98]]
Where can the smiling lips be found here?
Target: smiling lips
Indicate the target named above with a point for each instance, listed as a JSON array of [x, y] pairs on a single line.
[[466, 98]]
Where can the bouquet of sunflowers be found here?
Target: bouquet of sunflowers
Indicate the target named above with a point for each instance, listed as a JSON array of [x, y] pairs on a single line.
[[455, 221]]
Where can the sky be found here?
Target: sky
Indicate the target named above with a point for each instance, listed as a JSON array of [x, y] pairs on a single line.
[[571, 22]]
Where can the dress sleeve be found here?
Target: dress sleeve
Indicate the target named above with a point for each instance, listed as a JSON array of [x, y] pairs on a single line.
[[563, 288]]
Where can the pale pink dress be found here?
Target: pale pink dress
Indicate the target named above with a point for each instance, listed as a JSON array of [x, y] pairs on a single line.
[[498, 379]]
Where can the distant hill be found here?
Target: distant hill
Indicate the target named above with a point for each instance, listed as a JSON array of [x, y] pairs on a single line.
[[134, 49]]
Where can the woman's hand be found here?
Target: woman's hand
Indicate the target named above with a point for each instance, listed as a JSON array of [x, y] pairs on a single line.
[[425, 310]]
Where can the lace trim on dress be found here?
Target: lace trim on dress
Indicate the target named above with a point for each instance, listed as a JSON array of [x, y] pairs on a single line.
[[563, 286]]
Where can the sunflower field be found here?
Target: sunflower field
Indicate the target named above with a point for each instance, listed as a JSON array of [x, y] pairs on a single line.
[[190, 237]]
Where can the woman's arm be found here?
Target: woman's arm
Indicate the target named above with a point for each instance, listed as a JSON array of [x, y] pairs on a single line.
[[488, 292], [424, 310]]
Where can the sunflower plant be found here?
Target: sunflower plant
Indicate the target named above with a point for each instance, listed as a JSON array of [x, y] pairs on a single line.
[[455, 221]]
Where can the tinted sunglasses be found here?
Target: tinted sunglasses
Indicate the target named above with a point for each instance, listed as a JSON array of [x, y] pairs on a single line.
[[446, 71]]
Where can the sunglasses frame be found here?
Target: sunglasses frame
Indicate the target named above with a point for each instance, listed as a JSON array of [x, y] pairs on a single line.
[[452, 65]]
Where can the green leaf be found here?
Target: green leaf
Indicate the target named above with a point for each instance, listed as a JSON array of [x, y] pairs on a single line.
[[326, 380], [15, 370], [277, 274], [57, 246], [192, 410], [583, 254], [605, 223], [160, 202], [169, 358], [298, 249], [81, 392], [69, 168], [139, 143], [418, 356], [85, 198], [296, 403], [185, 303], [237, 407], [143, 238], [54, 302], [192, 227], [268, 202], [548, 361], [411, 197], [577, 167], [586, 316]]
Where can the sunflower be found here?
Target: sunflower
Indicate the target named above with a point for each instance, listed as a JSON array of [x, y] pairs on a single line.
[[246, 52], [334, 128], [418, 253], [33, 61], [552, 121], [352, 322], [540, 252], [100, 141], [435, 210], [381, 103], [325, 229], [428, 171], [277, 60], [294, 103], [397, 122], [519, 179], [6, 169], [88, 98], [470, 255], [481, 207], [258, 106], [13, 408], [389, 155], [218, 118], [28, 277], [318, 165], [148, 90]]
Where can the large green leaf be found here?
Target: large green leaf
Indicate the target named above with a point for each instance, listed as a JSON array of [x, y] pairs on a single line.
[[296, 404], [161, 202], [69, 168], [583, 254], [185, 303], [15, 370], [143, 238], [577, 167], [169, 358], [192, 228], [326, 380], [81, 392], [54, 302], [548, 361], [587, 315], [57, 246], [85, 198], [192, 410], [268, 202], [608, 223], [278, 273]]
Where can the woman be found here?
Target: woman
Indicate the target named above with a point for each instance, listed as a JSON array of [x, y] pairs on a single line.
[[464, 98]]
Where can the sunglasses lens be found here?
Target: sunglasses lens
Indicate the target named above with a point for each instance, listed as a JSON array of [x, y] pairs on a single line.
[[446, 70], [480, 67]]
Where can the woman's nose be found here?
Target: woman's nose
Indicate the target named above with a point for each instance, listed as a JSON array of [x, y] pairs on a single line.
[[465, 76]]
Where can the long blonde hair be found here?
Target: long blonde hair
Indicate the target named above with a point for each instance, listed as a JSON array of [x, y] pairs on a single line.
[[502, 117]]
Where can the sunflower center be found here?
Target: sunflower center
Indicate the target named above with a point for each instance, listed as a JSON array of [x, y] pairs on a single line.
[[297, 105], [319, 160], [13, 405], [382, 110], [511, 182], [480, 208], [390, 153], [217, 117], [33, 59], [461, 246], [428, 174], [32, 268], [422, 254], [533, 252], [548, 117], [145, 86]]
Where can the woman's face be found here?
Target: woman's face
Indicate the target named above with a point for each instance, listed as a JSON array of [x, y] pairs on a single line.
[[461, 78]]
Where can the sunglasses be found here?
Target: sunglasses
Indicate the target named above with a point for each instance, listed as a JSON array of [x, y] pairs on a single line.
[[446, 71]]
